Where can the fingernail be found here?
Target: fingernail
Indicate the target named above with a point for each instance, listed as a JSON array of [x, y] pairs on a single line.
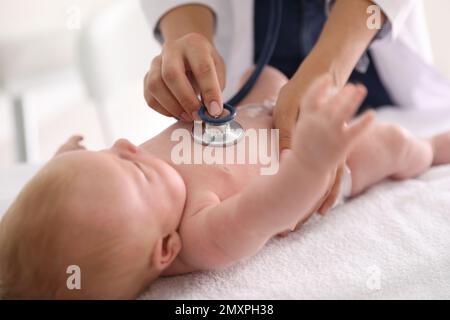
[[185, 117], [195, 116], [214, 109]]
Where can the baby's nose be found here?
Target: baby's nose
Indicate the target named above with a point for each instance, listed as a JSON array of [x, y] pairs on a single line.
[[125, 145]]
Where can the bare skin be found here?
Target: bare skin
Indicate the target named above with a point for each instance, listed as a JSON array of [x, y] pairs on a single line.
[[189, 63], [230, 211], [342, 41], [135, 215]]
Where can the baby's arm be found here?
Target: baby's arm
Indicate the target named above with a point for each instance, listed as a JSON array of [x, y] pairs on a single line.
[[220, 233]]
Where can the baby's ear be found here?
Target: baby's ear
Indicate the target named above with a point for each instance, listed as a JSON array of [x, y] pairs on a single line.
[[166, 250]]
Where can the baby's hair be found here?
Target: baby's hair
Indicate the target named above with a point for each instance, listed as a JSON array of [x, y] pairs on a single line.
[[25, 240], [35, 251]]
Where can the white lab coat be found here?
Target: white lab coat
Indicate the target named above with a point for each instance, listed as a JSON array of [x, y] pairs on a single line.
[[402, 55]]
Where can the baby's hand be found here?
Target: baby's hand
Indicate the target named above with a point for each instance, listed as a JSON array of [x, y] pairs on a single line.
[[322, 137], [73, 144]]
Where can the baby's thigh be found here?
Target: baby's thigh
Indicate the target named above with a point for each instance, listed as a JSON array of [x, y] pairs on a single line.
[[376, 156]]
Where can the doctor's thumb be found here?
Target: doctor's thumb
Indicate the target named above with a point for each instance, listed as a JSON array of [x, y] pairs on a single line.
[[285, 139]]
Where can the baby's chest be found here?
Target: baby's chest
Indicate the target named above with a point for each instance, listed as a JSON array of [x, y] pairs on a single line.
[[227, 171], [224, 180]]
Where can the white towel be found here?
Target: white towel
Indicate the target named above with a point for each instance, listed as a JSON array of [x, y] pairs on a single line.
[[391, 242]]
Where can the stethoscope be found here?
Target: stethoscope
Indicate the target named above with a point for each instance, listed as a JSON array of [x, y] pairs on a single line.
[[226, 131]]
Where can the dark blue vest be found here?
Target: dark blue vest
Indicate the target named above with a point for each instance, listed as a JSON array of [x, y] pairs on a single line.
[[303, 21]]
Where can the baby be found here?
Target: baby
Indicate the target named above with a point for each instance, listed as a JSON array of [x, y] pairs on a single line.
[[127, 215]]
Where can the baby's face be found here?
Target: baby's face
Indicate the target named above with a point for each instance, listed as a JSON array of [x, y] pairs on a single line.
[[115, 209], [126, 184]]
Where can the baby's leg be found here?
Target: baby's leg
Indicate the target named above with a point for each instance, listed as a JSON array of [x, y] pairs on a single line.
[[266, 87], [441, 148], [389, 151]]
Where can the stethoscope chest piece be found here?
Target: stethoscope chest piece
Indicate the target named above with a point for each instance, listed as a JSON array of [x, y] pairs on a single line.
[[225, 131], [217, 132]]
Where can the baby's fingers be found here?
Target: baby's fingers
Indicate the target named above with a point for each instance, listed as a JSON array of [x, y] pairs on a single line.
[[318, 93], [348, 102], [359, 128]]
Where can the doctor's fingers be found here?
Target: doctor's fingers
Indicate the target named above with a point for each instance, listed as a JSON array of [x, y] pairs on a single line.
[[155, 105], [285, 120], [160, 99], [205, 73], [156, 88], [220, 68], [151, 101], [173, 73]]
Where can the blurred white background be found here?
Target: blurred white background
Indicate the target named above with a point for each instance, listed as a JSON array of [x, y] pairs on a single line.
[[53, 54]]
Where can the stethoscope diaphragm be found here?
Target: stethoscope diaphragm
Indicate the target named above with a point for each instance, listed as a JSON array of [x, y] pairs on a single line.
[[217, 132]]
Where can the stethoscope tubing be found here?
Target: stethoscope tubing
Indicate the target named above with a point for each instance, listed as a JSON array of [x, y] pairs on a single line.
[[270, 42]]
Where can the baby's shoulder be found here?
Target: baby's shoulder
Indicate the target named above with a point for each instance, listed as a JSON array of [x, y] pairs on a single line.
[[198, 201]]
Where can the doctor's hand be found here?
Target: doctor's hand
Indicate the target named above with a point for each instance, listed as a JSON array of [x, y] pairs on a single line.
[[186, 68]]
